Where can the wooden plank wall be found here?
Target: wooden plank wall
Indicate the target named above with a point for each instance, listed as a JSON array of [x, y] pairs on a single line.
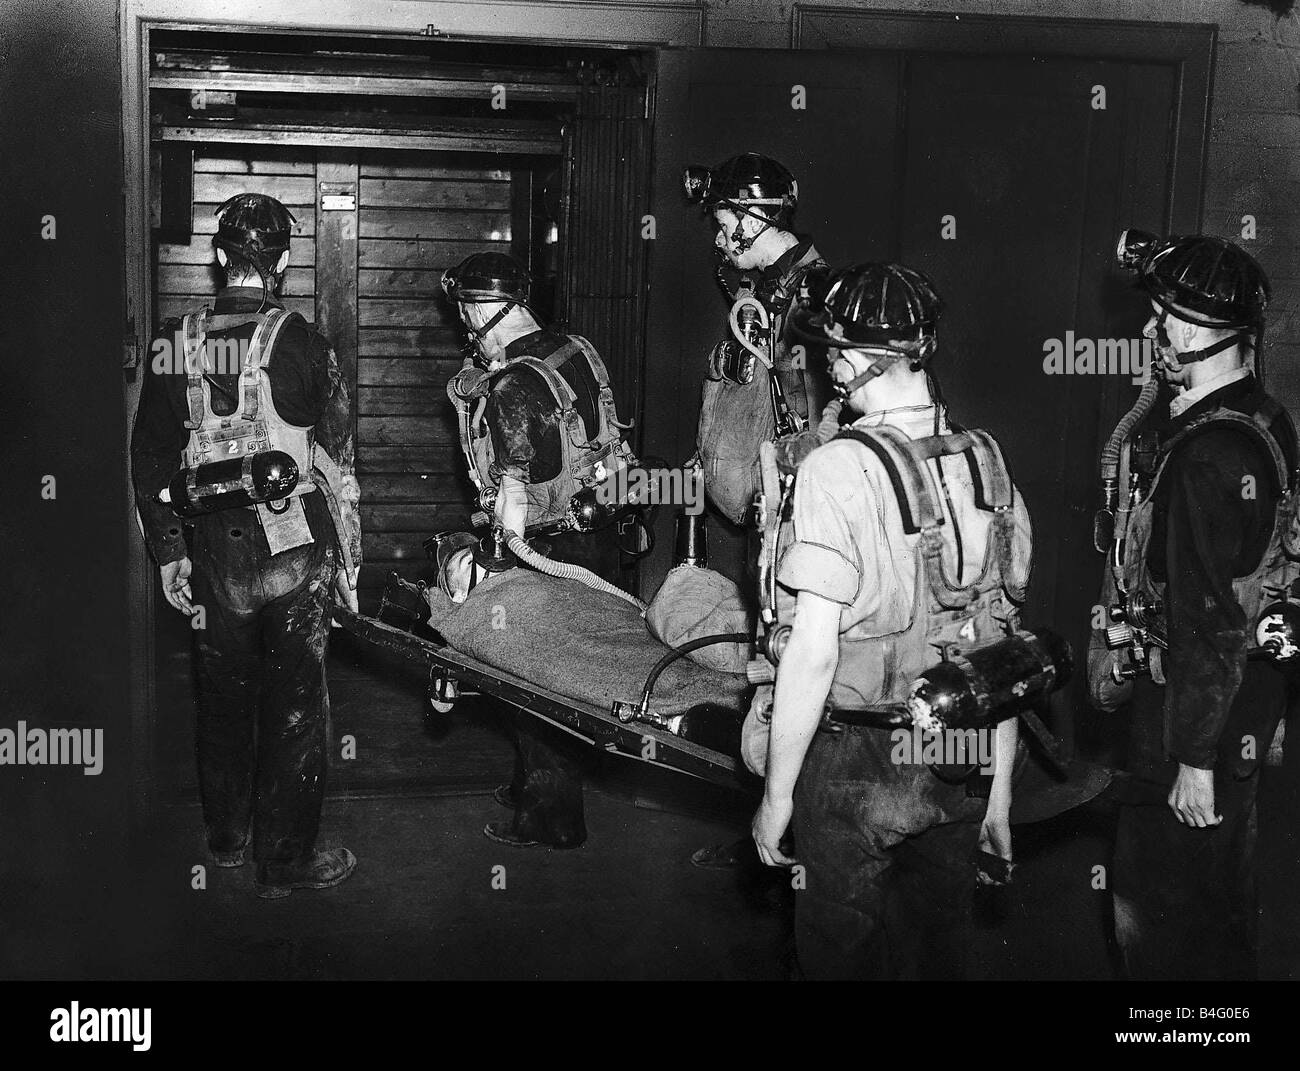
[[417, 219]]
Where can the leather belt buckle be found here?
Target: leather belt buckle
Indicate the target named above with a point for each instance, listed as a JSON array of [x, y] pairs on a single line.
[[828, 724]]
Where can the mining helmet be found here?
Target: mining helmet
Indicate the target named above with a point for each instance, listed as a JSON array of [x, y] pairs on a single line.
[[887, 308], [482, 277], [1201, 280], [744, 183], [255, 227], [1198, 278]]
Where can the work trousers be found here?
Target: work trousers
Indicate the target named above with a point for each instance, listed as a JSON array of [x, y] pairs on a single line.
[[263, 705], [1185, 898], [888, 854]]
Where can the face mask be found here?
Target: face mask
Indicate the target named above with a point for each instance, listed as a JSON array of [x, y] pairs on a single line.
[[740, 243], [473, 346]]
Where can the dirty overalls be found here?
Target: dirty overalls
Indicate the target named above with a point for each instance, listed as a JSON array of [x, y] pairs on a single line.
[[259, 657]]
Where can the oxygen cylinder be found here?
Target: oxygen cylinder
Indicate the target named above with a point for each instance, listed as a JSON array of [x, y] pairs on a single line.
[[691, 540], [990, 683], [709, 725], [238, 481], [1277, 632]]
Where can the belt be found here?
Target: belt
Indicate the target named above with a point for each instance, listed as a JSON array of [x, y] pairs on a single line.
[[895, 717]]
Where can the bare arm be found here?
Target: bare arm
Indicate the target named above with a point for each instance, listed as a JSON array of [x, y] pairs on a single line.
[[511, 508], [995, 832], [803, 682]]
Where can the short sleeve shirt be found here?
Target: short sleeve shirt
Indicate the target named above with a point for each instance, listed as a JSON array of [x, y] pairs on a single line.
[[849, 546]]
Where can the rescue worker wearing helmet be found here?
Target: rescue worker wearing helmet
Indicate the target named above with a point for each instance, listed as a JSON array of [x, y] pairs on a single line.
[[873, 594], [226, 385], [1191, 570], [757, 385], [542, 442]]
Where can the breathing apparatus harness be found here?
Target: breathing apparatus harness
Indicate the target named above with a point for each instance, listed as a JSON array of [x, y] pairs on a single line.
[[1211, 283], [753, 340], [589, 468], [587, 465], [758, 187], [890, 312]]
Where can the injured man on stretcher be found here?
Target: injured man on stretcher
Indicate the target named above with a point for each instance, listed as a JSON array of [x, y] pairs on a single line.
[[677, 665]]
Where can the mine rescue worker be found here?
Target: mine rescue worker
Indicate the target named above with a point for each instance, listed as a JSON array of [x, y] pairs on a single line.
[[228, 383], [1202, 551], [880, 594], [748, 397], [539, 433]]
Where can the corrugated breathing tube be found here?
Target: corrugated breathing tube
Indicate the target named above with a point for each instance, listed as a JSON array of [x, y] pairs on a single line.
[[566, 571]]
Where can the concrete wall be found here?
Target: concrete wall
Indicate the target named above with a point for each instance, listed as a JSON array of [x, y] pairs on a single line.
[[1254, 157]]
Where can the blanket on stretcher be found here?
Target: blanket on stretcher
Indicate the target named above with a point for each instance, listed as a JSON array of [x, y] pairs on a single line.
[[580, 643]]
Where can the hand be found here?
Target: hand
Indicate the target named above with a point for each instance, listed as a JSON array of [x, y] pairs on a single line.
[[770, 823], [345, 586], [176, 586], [995, 838], [1192, 797]]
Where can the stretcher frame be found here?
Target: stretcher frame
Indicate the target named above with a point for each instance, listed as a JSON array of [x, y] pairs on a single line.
[[598, 727]]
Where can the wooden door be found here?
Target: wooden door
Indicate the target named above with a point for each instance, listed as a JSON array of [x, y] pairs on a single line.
[[1016, 187]]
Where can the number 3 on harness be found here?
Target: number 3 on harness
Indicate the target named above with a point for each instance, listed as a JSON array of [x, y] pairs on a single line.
[[588, 491]]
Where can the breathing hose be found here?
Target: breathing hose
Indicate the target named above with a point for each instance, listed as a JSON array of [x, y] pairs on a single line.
[[1130, 420], [1103, 530], [566, 571], [748, 301], [679, 652]]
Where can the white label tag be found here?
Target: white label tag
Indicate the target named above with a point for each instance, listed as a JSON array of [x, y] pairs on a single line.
[[286, 530]]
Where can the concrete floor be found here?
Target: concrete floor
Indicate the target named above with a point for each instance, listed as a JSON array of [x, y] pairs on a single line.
[[422, 903], [628, 905]]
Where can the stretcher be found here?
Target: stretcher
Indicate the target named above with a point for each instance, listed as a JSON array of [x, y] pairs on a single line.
[[451, 671]]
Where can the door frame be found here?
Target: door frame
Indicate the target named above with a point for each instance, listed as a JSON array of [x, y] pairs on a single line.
[[630, 23]]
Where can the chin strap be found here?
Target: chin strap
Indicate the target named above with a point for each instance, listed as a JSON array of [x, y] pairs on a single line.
[[886, 359], [1193, 356], [845, 390]]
